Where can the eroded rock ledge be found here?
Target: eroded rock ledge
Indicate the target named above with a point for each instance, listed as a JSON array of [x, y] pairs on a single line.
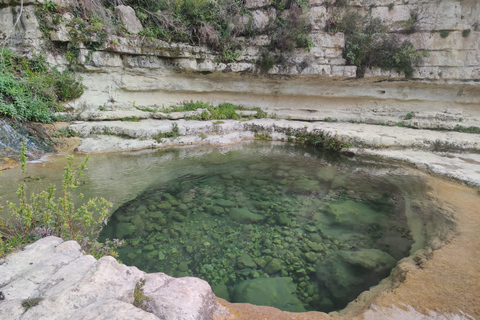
[[77, 286], [451, 154]]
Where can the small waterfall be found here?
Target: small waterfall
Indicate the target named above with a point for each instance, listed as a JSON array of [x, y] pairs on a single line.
[[12, 133]]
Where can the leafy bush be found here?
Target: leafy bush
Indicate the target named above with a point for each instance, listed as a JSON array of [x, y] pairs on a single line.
[[217, 24], [266, 62], [290, 29], [31, 302], [411, 23], [140, 300], [370, 45], [172, 134], [444, 33], [43, 214], [466, 32], [319, 139], [30, 90]]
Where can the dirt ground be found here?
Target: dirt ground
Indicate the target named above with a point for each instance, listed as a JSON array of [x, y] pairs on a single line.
[[445, 286]]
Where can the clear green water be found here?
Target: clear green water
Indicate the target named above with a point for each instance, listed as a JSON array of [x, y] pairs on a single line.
[[269, 224]]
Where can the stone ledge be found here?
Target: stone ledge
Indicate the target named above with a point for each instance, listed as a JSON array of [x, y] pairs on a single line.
[[76, 286]]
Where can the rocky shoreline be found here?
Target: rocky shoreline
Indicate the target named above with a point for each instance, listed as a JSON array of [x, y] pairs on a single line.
[[428, 285], [446, 153]]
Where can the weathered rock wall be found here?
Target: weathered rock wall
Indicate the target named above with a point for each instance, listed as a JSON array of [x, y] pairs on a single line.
[[130, 72]]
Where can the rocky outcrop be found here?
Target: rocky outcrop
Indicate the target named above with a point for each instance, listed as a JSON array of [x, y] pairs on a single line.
[[53, 279], [129, 72]]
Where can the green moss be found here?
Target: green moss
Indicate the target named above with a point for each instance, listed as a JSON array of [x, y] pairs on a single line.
[[444, 33], [263, 136], [470, 129], [222, 111], [31, 302]]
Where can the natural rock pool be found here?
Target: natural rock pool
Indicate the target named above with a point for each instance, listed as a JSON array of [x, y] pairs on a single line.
[[274, 224], [263, 222]]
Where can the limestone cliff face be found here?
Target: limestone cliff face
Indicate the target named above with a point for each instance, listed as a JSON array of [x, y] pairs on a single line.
[[133, 71]]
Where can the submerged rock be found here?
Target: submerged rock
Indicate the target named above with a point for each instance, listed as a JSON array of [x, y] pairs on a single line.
[[274, 266], [221, 291], [347, 273], [243, 215], [124, 229], [275, 292], [245, 261]]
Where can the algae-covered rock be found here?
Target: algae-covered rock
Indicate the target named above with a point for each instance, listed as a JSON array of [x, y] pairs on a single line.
[[326, 173], [137, 220], [156, 215], [215, 210], [274, 266], [243, 215], [149, 247], [283, 219], [183, 207], [260, 183], [177, 216], [225, 203], [347, 273], [311, 257], [183, 266], [221, 291], [245, 261], [305, 186], [164, 205], [275, 292], [124, 229], [353, 213]]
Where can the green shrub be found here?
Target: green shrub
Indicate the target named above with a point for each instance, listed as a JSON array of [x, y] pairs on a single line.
[[172, 134], [471, 129], [131, 119], [50, 6], [409, 116], [411, 23], [217, 24], [30, 90], [222, 111], [140, 300], [444, 33], [31, 302], [466, 32], [266, 62], [370, 45], [43, 214], [318, 139]]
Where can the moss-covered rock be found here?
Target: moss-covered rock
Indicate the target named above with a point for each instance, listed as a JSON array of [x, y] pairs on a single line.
[[347, 273], [243, 215], [276, 292]]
